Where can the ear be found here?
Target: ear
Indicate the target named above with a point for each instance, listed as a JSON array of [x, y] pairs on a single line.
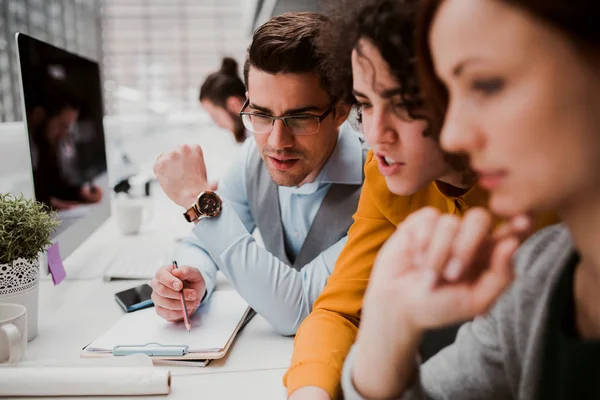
[[342, 110], [233, 104]]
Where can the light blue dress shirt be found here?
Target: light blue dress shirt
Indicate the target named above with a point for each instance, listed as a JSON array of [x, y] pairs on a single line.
[[277, 291]]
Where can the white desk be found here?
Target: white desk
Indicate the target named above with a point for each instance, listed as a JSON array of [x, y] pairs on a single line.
[[236, 385], [82, 307], [77, 311]]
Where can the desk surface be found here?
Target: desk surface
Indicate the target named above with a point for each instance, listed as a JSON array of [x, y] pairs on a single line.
[[82, 307], [74, 313], [235, 385]]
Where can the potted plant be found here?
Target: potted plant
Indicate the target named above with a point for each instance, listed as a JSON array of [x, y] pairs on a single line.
[[25, 230]]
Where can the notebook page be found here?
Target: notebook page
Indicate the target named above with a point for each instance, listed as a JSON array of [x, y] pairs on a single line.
[[212, 326]]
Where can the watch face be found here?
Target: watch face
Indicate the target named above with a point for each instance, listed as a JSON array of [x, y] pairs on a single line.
[[209, 203]]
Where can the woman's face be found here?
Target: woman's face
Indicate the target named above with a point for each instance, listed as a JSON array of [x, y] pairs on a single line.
[[524, 104], [408, 160]]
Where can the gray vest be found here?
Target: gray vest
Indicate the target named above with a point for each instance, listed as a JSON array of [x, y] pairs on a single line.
[[331, 222]]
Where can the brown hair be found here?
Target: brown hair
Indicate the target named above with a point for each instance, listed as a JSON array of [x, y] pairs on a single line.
[[222, 84], [577, 19], [288, 44]]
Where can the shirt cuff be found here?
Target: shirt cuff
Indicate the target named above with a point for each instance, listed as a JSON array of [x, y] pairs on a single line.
[[314, 374], [218, 234], [189, 254]]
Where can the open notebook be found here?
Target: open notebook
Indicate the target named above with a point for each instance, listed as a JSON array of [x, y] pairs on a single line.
[[214, 327]]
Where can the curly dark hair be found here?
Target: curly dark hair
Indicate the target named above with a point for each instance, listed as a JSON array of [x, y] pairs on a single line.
[[390, 25]]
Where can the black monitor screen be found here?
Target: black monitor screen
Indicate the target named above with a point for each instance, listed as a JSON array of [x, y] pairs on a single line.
[[63, 105]]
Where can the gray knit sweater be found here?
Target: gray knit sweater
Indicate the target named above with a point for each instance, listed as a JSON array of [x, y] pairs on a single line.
[[497, 356]]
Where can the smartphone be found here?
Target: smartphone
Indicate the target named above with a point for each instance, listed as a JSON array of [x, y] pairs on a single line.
[[135, 298]]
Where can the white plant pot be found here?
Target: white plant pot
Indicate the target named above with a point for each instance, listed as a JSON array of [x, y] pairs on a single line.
[[20, 284]]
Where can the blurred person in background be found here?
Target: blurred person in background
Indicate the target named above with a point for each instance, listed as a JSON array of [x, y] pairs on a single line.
[[222, 96]]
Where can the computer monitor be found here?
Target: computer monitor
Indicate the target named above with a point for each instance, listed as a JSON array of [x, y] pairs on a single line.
[[62, 101]]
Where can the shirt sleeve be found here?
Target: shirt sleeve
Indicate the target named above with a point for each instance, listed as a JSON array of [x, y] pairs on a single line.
[[232, 188], [281, 294], [325, 337], [191, 253], [479, 375]]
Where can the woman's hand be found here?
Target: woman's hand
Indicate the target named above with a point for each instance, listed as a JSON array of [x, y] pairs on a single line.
[[435, 270]]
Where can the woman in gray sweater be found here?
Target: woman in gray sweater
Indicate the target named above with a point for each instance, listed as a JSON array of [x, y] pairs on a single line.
[[523, 77]]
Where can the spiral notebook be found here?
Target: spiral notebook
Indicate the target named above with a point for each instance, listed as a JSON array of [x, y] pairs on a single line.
[[214, 328]]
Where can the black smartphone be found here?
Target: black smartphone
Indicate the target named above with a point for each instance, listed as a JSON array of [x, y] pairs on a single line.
[[135, 298]]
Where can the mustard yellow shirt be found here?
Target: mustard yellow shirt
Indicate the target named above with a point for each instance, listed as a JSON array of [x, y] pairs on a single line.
[[326, 335]]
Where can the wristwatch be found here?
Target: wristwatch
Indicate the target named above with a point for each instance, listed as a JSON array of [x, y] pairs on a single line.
[[207, 205]]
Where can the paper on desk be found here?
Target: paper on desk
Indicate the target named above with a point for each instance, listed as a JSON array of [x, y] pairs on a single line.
[[127, 376], [212, 326], [134, 360]]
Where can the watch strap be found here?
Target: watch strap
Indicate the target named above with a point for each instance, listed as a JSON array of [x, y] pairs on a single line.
[[191, 214]]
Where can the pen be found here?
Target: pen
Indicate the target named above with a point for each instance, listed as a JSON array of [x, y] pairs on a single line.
[[186, 317]]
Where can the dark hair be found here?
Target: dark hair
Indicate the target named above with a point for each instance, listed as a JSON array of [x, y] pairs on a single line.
[[54, 97], [578, 19], [389, 25], [288, 44], [222, 84]]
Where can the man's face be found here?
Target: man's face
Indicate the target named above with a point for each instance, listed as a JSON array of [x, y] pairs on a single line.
[[224, 118], [58, 126], [292, 159]]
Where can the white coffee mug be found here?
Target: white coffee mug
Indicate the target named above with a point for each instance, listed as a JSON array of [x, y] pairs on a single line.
[[131, 214], [13, 332], [20, 285]]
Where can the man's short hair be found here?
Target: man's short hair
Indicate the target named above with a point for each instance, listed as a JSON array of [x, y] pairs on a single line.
[[288, 43]]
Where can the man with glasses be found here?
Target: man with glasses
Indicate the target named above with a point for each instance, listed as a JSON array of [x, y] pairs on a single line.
[[298, 181]]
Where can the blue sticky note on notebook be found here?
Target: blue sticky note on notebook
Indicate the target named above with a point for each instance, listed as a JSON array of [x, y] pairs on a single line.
[[55, 264]]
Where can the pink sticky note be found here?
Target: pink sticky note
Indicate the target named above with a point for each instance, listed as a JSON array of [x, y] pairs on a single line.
[[55, 264]]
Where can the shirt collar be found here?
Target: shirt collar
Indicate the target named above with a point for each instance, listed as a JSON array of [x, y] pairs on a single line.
[[345, 165]]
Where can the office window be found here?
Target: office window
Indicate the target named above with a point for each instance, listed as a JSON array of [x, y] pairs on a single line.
[[154, 53], [157, 52], [70, 24]]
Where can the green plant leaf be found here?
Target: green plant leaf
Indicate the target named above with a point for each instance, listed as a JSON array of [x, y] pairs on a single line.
[[25, 227]]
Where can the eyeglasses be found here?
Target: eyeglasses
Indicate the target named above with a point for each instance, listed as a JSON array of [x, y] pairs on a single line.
[[295, 124]]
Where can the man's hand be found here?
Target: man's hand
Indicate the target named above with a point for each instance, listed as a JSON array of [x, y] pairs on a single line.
[[310, 393], [166, 286], [182, 174]]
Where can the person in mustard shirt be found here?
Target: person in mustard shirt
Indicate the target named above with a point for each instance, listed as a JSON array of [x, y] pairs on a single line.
[[405, 171]]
